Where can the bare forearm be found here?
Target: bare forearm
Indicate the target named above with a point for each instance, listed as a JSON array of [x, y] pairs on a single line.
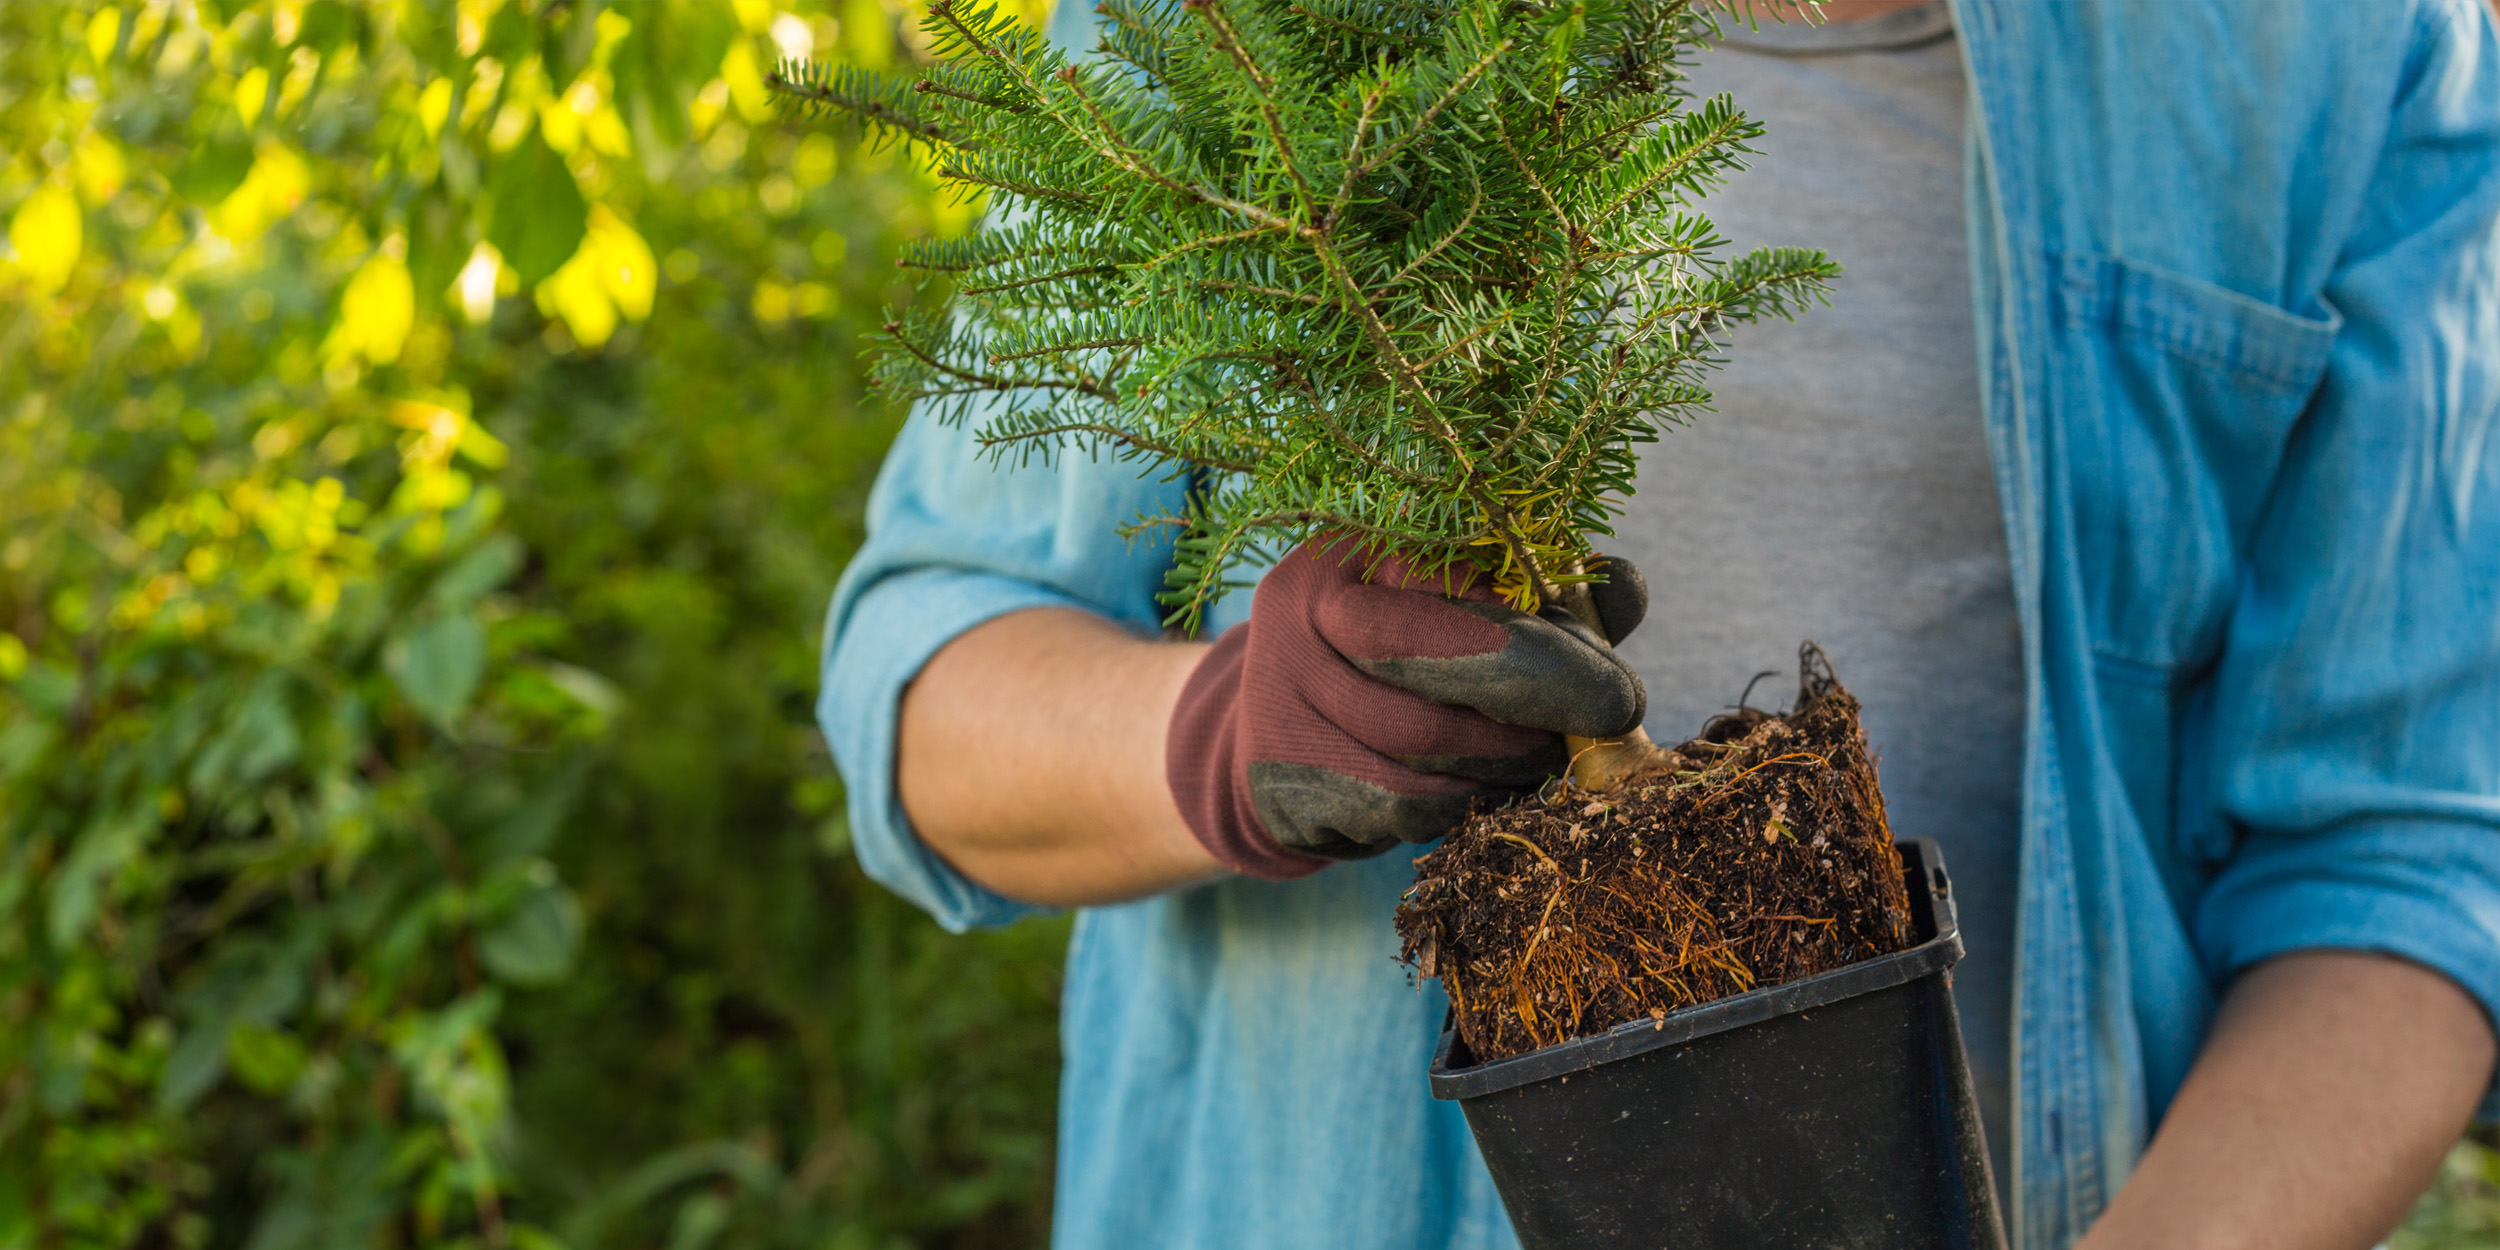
[[1030, 756], [2331, 1086]]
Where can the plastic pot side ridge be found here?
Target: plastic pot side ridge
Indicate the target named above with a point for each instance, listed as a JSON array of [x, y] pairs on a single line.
[[1831, 1113]]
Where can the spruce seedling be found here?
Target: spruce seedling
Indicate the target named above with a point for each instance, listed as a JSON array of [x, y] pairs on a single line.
[[1421, 272]]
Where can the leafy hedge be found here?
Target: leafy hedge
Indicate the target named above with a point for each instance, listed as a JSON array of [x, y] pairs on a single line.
[[428, 435]]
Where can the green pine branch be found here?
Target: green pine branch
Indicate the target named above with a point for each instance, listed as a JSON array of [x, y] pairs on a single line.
[[1424, 272]]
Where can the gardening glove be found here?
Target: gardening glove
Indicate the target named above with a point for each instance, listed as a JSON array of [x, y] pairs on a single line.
[[1347, 715]]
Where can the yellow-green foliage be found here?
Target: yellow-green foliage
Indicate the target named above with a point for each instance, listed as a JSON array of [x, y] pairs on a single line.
[[428, 433]]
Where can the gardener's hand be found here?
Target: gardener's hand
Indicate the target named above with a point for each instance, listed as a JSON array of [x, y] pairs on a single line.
[[1346, 715]]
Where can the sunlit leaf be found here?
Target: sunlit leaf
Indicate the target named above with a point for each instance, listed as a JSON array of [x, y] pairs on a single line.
[[475, 287], [104, 33], [745, 75], [277, 183], [626, 270], [434, 105], [612, 273], [98, 166], [47, 234], [577, 295], [376, 311], [251, 91]]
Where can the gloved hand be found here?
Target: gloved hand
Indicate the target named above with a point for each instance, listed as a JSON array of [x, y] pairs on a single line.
[[1346, 715]]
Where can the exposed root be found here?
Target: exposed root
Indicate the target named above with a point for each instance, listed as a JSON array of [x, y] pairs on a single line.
[[1753, 855]]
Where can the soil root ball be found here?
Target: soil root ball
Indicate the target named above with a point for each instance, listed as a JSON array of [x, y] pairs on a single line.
[[1755, 854]]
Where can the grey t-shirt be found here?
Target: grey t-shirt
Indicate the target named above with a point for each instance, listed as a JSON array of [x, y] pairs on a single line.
[[1842, 492]]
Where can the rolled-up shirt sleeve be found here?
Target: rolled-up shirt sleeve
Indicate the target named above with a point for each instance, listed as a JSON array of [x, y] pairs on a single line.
[[955, 540], [2357, 705]]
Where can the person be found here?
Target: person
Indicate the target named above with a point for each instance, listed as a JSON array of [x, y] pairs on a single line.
[[2142, 480]]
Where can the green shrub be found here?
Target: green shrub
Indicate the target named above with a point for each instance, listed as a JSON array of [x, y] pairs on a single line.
[[412, 829]]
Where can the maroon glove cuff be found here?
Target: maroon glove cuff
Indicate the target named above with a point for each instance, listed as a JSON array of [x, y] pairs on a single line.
[[1203, 738]]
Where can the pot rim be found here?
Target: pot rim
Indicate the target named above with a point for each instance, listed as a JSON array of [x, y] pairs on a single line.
[[1931, 909]]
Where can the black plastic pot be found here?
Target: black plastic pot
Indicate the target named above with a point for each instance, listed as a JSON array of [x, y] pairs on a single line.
[[1829, 1113]]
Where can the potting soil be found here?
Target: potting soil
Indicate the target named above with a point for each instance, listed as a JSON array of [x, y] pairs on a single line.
[[1752, 855]]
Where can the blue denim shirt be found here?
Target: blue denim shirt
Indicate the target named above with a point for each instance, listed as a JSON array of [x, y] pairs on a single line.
[[2236, 268]]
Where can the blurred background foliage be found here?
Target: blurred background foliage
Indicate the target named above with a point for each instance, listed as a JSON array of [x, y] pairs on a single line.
[[2462, 1209], [429, 433]]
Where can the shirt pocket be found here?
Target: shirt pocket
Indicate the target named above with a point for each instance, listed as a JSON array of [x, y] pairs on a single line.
[[2180, 396]]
